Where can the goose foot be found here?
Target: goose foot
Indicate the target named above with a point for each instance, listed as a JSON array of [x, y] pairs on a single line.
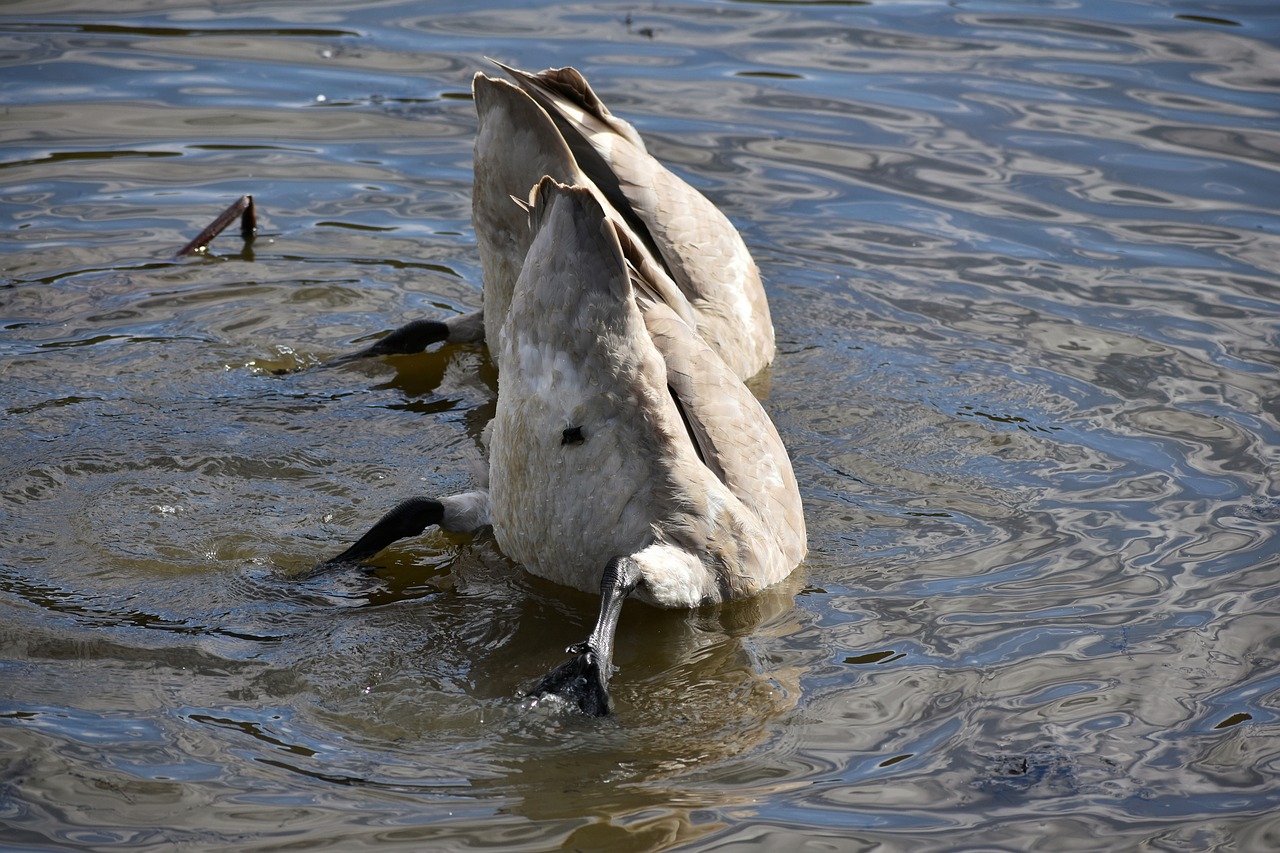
[[462, 513], [408, 518], [584, 681], [579, 681], [408, 339], [416, 336]]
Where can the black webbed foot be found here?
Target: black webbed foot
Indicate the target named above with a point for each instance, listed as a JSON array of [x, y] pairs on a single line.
[[413, 337], [579, 681], [408, 339], [584, 681], [408, 518]]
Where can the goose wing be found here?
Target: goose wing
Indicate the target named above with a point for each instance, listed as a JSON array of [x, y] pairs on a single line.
[[733, 435]]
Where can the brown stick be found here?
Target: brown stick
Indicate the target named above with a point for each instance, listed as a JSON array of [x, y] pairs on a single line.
[[243, 208]]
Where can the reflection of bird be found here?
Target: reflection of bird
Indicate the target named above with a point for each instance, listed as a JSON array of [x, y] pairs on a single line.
[[626, 454]]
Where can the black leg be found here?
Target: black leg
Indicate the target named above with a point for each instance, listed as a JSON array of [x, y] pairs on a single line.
[[409, 338], [584, 680], [408, 518], [415, 337]]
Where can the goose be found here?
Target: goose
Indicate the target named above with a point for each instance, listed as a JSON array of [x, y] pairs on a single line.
[[626, 456], [552, 123]]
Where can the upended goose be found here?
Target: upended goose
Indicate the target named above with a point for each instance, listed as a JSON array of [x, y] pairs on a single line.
[[553, 124], [626, 454]]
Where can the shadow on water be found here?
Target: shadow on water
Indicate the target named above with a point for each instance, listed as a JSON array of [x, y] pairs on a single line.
[[1021, 262]]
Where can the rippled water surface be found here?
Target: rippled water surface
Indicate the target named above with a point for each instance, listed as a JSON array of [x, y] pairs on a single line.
[[1023, 265]]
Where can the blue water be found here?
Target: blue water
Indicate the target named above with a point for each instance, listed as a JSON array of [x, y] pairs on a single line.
[[1022, 262]]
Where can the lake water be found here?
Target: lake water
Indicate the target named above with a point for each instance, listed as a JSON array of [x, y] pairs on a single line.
[[1022, 259]]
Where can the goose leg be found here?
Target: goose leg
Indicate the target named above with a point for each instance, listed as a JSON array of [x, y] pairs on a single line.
[[408, 518], [418, 335], [584, 680], [462, 513]]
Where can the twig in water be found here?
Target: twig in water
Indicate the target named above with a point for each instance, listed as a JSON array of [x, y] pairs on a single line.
[[243, 208]]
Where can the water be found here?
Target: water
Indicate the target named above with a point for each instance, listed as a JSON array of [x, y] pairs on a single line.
[[1022, 260]]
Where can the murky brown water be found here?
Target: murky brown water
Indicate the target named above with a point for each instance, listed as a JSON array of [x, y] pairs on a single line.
[[1022, 260]]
